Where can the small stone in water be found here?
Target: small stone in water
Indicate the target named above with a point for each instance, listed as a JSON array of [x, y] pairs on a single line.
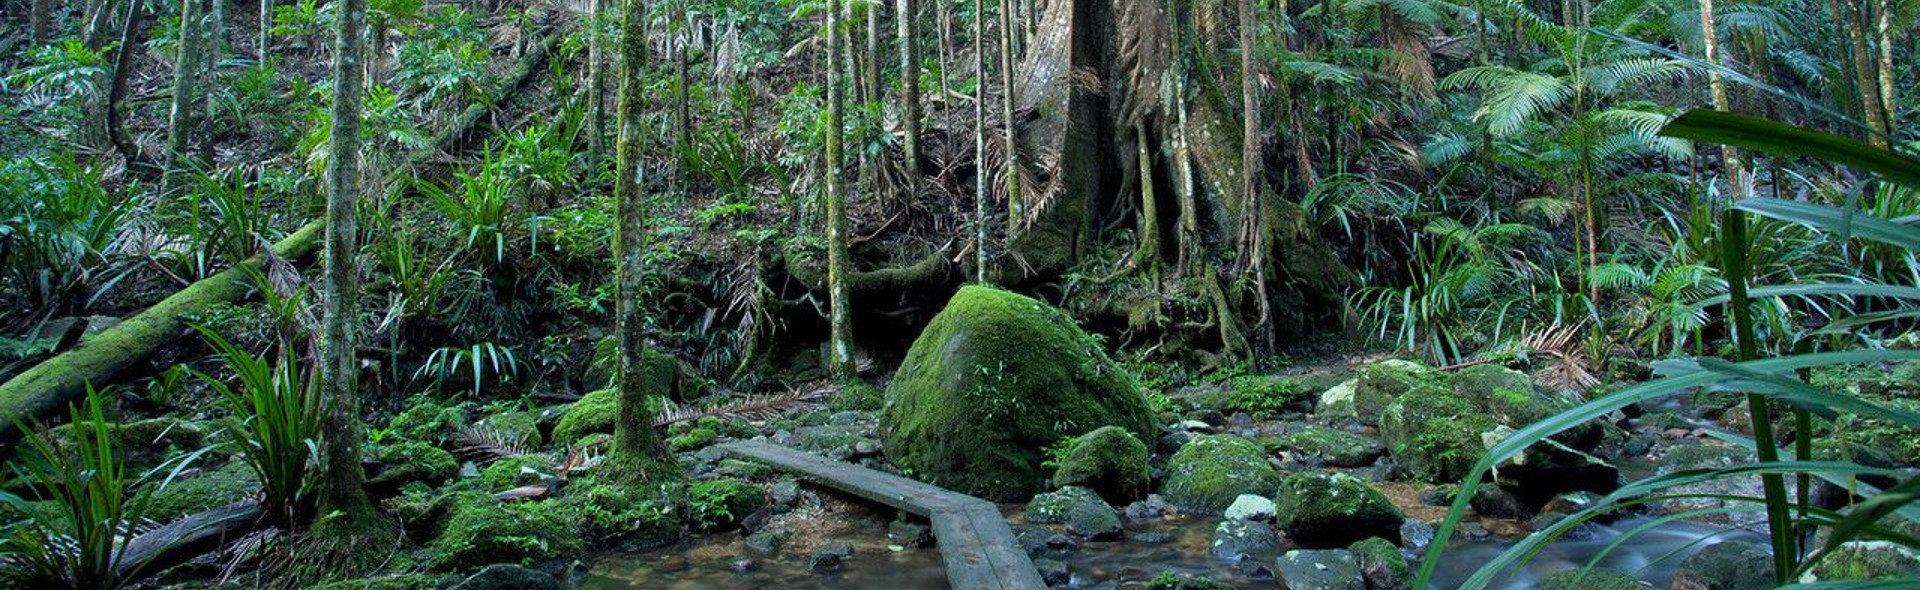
[[1250, 507], [1152, 537], [1053, 572], [741, 565], [829, 557], [908, 534]]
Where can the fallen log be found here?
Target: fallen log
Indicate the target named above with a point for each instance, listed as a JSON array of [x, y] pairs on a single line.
[[182, 540], [47, 388]]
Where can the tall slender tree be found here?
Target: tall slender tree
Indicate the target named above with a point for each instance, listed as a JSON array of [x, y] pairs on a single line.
[[906, 12], [348, 513], [39, 21], [1006, 115], [838, 264], [186, 73], [123, 70], [265, 51], [1710, 39], [980, 144], [596, 81], [1255, 226], [639, 455], [1865, 87], [1883, 31]]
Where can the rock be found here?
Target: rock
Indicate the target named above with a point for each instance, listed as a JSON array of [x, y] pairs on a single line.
[[516, 428], [1151, 537], [1379, 384], [1868, 560], [1325, 569], [1182, 581], [829, 557], [427, 420], [1337, 447], [1592, 579], [722, 504], [740, 566], [410, 461], [1210, 472], [1547, 468], [1336, 403], [507, 576], [1110, 461], [1234, 539], [1322, 511], [784, 495], [909, 534], [1730, 565], [1433, 434], [1084, 513], [1511, 398], [1053, 572], [1381, 563], [768, 541], [481, 532], [199, 492], [1251, 507], [1416, 534], [994, 379], [1496, 502], [1153, 507]]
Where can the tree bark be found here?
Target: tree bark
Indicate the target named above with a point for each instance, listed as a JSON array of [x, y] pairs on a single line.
[[1006, 102], [342, 491], [1710, 37], [682, 101], [39, 20], [1864, 71], [840, 357], [186, 73], [265, 50], [117, 91], [980, 221], [1883, 26], [596, 83], [639, 455], [905, 13], [1256, 223]]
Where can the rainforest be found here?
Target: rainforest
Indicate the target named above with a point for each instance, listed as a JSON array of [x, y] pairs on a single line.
[[960, 294]]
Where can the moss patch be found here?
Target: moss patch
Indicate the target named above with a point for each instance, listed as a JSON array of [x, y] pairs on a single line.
[[201, 492], [1433, 434], [1110, 461], [483, 533], [1322, 511], [1208, 473], [994, 379]]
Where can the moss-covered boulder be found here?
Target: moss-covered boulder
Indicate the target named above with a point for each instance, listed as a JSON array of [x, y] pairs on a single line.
[[403, 582], [1379, 384], [1209, 472], [1081, 510], [609, 515], [483, 533], [516, 471], [1325, 511], [721, 504], [992, 381], [203, 491], [412, 461], [1337, 447], [1434, 435], [520, 427], [1381, 563], [663, 372], [144, 444], [427, 419], [1110, 461], [593, 414], [1511, 398], [1725, 566], [1592, 579]]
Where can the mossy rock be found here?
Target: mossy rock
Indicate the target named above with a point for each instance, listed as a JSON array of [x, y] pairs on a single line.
[[663, 372], [858, 396], [594, 413], [994, 379], [202, 491], [144, 444], [693, 440], [1110, 461], [1380, 384], [1328, 511], [1337, 447], [1183, 581], [1868, 560], [405, 582], [1433, 434], [721, 504], [513, 472], [1210, 471], [1592, 579], [426, 419], [412, 461], [483, 533], [1511, 398], [1084, 513], [520, 426], [1336, 403], [608, 514], [1381, 562], [424, 512]]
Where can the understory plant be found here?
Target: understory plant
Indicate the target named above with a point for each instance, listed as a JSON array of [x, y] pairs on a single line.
[[277, 416], [84, 544], [1801, 534]]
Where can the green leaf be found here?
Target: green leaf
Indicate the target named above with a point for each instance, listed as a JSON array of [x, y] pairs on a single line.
[[1845, 222], [1777, 138]]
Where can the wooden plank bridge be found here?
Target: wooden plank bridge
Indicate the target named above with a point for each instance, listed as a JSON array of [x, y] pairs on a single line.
[[978, 547]]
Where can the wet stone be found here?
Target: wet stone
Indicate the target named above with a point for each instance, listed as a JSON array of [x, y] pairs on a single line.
[[908, 534], [1053, 572], [1326, 569], [830, 556]]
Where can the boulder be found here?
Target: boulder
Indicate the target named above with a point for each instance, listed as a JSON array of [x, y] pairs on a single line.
[[1725, 566], [1084, 513], [1323, 569], [1433, 434], [193, 493], [1323, 511], [1235, 539], [1511, 398], [829, 556], [994, 379], [411, 461], [1547, 469], [1381, 563], [1251, 507], [1338, 448], [1379, 384], [1110, 461], [1336, 403], [1868, 560], [1592, 579], [1213, 470], [480, 532]]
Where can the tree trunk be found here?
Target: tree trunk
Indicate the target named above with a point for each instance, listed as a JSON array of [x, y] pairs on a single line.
[[980, 221], [1883, 26], [596, 83], [1710, 37], [265, 50], [342, 491], [1255, 226], [905, 13], [1006, 102], [117, 91], [682, 101], [639, 455], [186, 73], [39, 20], [1863, 69], [838, 265]]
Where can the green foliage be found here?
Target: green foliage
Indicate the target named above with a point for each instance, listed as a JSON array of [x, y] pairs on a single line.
[[473, 363], [99, 507], [1264, 397], [277, 417], [482, 532], [721, 503], [62, 232]]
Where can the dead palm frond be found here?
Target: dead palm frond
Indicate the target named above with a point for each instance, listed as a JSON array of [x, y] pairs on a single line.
[[752, 407], [1567, 366], [484, 443]]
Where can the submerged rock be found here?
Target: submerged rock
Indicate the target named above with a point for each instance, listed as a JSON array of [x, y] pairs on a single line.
[[1084, 513], [1320, 510], [1210, 472], [830, 556], [1110, 461], [1592, 579], [1324, 569], [994, 379], [1725, 566]]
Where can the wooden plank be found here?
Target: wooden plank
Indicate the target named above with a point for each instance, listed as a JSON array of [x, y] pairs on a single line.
[[979, 549]]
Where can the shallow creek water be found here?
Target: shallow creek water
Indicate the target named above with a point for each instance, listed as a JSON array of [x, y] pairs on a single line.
[[1177, 544]]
